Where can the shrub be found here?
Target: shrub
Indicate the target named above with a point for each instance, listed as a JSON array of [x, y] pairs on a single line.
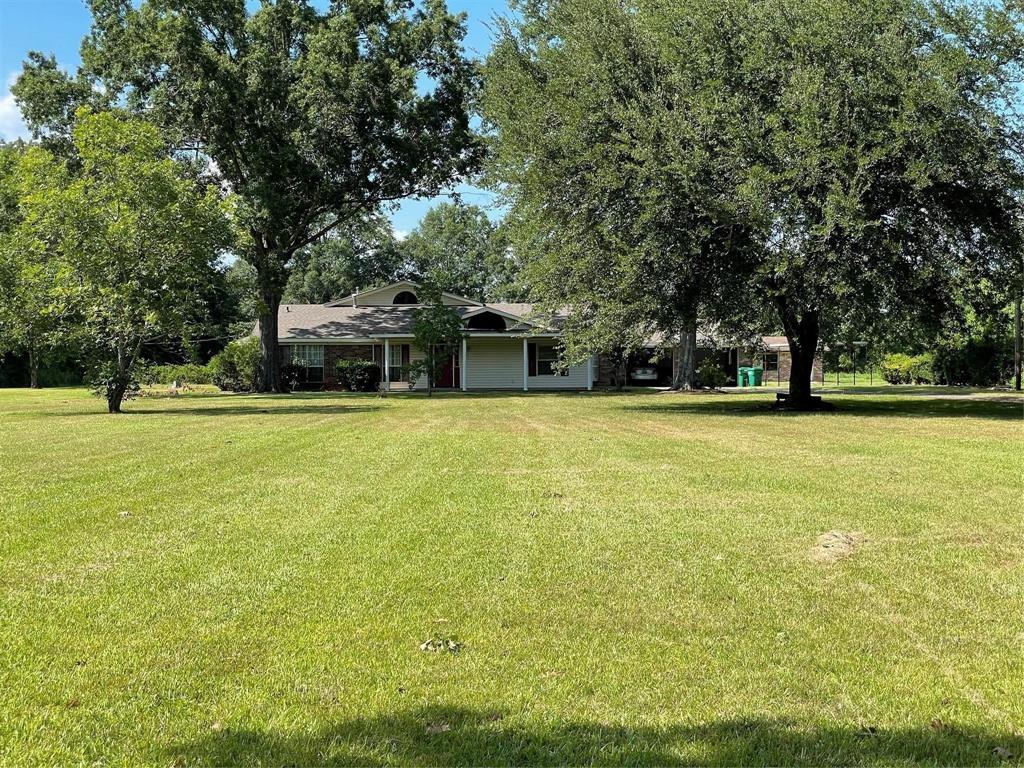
[[292, 376], [711, 375], [358, 375], [975, 362], [921, 369], [237, 368], [906, 369], [187, 373]]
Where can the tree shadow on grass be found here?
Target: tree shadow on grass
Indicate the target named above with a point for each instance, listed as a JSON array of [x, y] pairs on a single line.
[[459, 736], [250, 409], [930, 407]]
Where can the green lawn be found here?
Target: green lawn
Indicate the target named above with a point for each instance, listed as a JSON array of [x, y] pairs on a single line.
[[632, 579]]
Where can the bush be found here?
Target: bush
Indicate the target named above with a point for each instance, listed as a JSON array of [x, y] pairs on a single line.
[[711, 375], [906, 369], [974, 362], [237, 368], [358, 375], [187, 373]]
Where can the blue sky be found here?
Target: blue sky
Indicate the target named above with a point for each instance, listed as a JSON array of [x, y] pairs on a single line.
[[57, 27]]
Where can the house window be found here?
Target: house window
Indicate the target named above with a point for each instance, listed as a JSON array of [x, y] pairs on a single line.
[[310, 357], [398, 358], [543, 358], [405, 297], [771, 361]]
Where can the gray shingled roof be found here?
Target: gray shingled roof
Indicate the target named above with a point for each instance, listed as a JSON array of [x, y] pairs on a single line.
[[319, 321]]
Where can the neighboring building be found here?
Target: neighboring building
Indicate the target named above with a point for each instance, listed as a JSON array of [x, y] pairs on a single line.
[[505, 346]]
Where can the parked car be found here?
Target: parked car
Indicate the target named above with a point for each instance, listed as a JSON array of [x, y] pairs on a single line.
[[644, 374]]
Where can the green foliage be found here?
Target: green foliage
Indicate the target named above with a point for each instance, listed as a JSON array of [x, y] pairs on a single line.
[[125, 237], [241, 297], [358, 375], [349, 259], [37, 315], [900, 368], [49, 98], [983, 360], [456, 247], [312, 114], [237, 367], [608, 147], [437, 333], [861, 151], [184, 373], [711, 375]]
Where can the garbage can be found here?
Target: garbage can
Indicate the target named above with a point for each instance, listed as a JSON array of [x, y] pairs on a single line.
[[757, 376], [742, 377]]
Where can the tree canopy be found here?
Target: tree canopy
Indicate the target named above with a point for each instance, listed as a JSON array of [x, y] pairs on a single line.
[[457, 246], [312, 117], [360, 255], [839, 162], [124, 236]]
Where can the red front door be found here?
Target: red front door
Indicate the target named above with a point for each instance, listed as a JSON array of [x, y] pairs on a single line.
[[449, 373]]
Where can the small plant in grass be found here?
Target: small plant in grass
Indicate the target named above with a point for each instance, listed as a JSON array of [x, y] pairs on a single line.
[[358, 375]]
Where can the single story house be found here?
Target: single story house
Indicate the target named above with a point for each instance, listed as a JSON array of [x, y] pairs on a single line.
[[504, 347]]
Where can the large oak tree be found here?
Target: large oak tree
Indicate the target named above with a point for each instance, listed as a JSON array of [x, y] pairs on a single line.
[[843, 163], [311, 117]]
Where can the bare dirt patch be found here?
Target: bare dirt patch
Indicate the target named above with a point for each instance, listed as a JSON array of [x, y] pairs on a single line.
[[836, 545]]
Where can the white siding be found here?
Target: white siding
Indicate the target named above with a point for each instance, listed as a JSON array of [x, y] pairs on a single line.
[[498, 364], [494, 363], [576, 378]]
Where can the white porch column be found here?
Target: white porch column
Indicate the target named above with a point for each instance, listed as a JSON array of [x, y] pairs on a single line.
[[526, 366], [590, 373], [387, 364], [463, 357]]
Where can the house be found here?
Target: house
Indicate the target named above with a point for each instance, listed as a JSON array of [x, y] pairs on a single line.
[[505, 346]]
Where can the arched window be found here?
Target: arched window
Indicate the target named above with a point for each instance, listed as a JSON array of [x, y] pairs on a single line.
[[486, 321], [405, 297]]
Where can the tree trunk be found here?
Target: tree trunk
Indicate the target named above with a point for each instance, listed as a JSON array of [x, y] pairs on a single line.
[[1016, 344], [802, 334], [115, 396], [684, 358], [269, 379], [33, 367]]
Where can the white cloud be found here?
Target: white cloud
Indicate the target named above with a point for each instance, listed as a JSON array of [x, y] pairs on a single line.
[[400, 234], [11, 125]]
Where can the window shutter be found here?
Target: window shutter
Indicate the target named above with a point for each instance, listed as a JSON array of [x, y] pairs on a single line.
[[405, 355], [532, 354]]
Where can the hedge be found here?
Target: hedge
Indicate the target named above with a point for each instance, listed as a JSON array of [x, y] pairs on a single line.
[[907, 369]]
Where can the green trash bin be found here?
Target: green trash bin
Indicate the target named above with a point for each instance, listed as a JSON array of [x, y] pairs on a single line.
[[757, 376], [742, 377]]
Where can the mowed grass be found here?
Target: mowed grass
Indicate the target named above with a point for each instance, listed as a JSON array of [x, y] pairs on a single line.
[[235, 580]]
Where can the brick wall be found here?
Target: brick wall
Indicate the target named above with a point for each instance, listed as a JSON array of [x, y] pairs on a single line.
[[332, 354]]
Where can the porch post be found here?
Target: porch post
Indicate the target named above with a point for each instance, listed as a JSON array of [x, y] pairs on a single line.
[[462, 365], [526, 366], [387, 364], [590, 373]]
